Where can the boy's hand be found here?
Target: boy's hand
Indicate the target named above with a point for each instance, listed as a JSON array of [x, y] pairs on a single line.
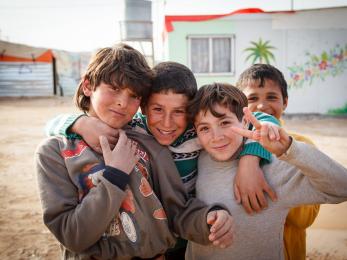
[[90, 128], [250, 185], [222, 228], [123, 156], [273, 138]]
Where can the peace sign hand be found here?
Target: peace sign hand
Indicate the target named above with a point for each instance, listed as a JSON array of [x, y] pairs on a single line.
[[273, 138]]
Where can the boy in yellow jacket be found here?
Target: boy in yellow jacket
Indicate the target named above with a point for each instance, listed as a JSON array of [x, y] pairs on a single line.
[[266, 91]]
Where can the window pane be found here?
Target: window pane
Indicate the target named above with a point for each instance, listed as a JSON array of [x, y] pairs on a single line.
[[199, 55], [221, 54]]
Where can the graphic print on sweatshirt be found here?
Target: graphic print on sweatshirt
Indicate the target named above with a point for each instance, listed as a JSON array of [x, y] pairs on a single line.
[[140, 201]]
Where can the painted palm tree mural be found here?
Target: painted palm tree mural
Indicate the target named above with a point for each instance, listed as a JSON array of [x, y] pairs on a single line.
[[260, 52]]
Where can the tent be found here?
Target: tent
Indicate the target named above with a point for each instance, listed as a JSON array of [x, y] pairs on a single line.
[[26, 70]]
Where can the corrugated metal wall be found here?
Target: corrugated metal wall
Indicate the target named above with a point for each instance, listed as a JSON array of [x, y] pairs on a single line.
[[26, 79]]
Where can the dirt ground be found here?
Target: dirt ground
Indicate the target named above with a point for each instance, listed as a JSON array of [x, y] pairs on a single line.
[[22, 234]]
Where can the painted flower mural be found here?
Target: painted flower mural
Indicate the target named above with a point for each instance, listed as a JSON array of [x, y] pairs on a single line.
[[327, 64], [260, 51]]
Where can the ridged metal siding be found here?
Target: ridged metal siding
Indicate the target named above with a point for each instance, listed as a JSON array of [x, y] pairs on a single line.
[[26, 79]]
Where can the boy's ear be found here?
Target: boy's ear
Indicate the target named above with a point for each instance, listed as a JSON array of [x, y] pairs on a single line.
[[87, 88], [143, 110], [285, 103]]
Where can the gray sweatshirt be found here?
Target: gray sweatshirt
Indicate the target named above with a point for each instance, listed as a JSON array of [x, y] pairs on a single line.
[[303, 175], [94, 216]]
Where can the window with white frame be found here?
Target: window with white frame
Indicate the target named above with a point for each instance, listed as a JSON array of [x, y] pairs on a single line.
[[211, 54]]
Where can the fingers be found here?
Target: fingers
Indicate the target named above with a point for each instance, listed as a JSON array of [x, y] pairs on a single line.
[[273, 132], [270, 192], [123, 139], [254, 203], [245, 204], [246, 133], [261, 201], [105, 147], [251, 118], [222, 229], [237, 194], [211, 217]]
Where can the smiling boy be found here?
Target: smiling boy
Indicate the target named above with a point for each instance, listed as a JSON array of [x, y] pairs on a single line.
[[300, 174], [266, 91]]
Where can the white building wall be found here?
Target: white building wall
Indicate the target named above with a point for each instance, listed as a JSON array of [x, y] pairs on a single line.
[[297, 37]]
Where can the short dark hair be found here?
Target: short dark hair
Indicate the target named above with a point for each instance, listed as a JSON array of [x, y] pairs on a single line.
[[175, 77], [261, 72], [121, 66], [217, 94]]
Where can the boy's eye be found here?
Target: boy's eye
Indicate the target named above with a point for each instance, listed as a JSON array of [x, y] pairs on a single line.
[[225, 123], [115, 88], [252, 99], [134, 96], [272, 97], [203, 129], [157, 109], [180, 111]]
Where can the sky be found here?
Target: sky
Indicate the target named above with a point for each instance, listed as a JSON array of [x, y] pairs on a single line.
[[85, 25]]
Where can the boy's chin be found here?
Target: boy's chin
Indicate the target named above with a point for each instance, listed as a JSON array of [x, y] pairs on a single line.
[[221, 158]]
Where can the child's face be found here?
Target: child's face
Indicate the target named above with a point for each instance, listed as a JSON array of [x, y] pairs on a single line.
[[267, 99], [166, 116], [113, 105], [215, 134]]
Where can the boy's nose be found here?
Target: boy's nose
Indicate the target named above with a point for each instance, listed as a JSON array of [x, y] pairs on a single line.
[[217, 134], [261, 106], [167, 120], [122, 99]]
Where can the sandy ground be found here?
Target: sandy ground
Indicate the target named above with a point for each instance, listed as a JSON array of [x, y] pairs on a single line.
[[22, 234]]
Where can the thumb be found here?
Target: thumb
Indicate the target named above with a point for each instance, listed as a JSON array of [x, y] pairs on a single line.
[[122, 138], [105, 147], [211, 217], [237, 194]]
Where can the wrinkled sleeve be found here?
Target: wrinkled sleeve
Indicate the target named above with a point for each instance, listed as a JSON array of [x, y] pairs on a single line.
[[315, 177]]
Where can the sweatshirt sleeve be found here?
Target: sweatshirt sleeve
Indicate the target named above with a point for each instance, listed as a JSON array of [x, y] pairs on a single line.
[[60, 125], [254, 148], [312, 177], [78, 225], [186, 216]]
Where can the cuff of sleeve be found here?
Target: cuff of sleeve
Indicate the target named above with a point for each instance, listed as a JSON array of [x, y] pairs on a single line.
[[216, 208], [116, 177], [263, 117], [64, 130], [256, 149], [291, 150]]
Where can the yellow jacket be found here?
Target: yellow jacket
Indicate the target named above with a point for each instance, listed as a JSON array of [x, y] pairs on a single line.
[[297, 221]]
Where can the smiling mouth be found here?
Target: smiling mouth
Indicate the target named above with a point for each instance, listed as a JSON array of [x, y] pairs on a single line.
[[220, 147], [117, 113], [163, 132]]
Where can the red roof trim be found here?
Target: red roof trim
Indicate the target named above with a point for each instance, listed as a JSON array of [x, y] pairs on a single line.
[[47, 56], [196, 18]]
